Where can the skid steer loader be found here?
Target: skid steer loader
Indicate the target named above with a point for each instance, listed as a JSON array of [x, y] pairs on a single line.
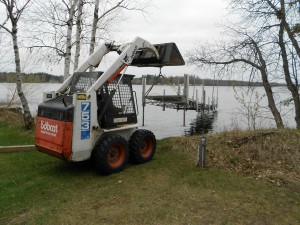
[[93, 115]]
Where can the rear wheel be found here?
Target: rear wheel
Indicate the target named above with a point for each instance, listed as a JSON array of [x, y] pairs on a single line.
[[142, 146], [110, 154]]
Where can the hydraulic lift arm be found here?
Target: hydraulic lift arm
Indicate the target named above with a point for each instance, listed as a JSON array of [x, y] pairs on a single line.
[[125, 59], [127, 53]]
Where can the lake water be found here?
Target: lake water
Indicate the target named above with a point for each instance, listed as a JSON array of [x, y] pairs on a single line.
[[230, 113]]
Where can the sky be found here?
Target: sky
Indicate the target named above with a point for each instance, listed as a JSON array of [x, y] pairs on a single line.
[[182, 22]]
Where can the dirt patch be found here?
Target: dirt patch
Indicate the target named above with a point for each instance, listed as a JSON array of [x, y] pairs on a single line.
[[273, 155], [11, 115]]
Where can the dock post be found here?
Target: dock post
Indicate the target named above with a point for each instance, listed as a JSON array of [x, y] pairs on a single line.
[[163, 100], [217, 101], [144, 81], [203, 97], [186, 95], [208, 103], [184, 109], [186, 88], [197, 101]]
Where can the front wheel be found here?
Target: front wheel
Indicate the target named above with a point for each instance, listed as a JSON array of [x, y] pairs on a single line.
[[110, 154], [142, 146]]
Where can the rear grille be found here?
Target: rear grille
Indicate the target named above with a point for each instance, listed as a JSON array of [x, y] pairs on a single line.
[[55, 114], [59, 108]]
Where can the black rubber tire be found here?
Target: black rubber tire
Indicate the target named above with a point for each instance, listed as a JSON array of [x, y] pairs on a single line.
[[110, 154], [142, 145]]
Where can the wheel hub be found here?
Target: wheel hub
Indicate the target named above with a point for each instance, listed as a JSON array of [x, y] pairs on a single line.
[[146, 147], [116, 155]]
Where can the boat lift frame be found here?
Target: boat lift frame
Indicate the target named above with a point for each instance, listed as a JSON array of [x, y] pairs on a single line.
[[177, 101]]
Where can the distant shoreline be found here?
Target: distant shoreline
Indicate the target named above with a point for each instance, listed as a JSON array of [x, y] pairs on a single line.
[[197, 85], [9, 77]]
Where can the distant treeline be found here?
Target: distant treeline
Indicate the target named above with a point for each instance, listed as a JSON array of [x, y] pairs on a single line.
[[198, 81], [10, 77]]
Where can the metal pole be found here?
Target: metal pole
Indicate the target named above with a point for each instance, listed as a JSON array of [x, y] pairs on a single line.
[[144, 81], [203, 148], [202, 152]]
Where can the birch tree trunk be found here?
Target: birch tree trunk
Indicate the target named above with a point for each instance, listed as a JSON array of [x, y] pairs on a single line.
[[96, 20], [94, 29], [27, 117], [14, 13], [69, 39], [78, 34]]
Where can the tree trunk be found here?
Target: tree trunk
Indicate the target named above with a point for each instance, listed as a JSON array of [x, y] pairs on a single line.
[[271, 102], [292, 38], [69, 39], [27, 117], [78, 34], [94, 29], [290, 85], [287, 27]]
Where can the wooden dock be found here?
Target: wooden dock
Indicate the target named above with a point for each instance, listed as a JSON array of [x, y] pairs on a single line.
[[179, 101]]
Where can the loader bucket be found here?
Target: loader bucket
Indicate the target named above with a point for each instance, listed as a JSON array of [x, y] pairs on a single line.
[[169, 55]]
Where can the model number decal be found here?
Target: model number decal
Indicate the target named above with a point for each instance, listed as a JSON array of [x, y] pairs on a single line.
[[85, 120]]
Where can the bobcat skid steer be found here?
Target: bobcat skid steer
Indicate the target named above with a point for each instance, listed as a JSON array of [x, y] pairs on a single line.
[[93, 115]]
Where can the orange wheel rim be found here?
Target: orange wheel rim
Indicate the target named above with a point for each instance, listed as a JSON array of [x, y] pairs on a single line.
[[116, 155], [147, 148]]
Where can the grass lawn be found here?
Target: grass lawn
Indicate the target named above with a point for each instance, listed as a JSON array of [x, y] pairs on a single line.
[[38, 189], [12, 134]]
